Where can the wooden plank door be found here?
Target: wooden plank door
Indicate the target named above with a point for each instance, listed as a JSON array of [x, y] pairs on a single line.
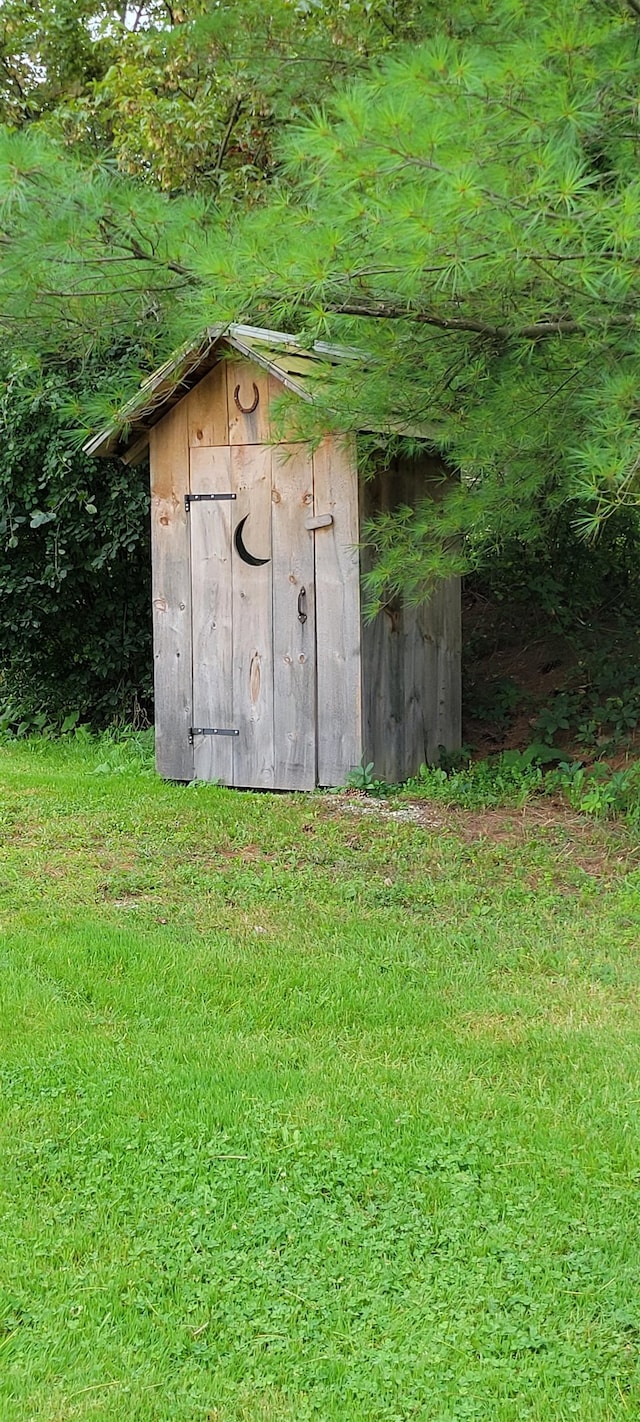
[[254, 627], [252, 590], [294, 619], [211, 524]]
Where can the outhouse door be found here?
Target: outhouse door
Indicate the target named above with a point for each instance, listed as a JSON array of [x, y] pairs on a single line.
[[253, 610]]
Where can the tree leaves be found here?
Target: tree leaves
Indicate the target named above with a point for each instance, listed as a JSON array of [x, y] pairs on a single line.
[[73, 566], [467, 212]]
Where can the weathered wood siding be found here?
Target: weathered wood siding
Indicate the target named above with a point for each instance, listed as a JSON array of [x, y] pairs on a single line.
[[211, 531], [339, 690], [247, 425], [171, 594], [410, 655], [440, 625], [294, 599], [254, 751], [207, 410]]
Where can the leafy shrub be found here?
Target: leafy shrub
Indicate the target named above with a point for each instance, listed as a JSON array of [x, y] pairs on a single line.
[[75, 636], [514, 776], [363, 778], [508, 778], [598, 790], [569, 581], [496, 703], [603, 713], [578, 602]]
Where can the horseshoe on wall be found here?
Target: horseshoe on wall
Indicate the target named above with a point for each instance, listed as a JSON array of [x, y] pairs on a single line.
[[247, 409], [240, 548]]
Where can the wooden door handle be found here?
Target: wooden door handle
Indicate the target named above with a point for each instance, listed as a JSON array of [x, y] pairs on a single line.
[[320, 521], [301, 612]]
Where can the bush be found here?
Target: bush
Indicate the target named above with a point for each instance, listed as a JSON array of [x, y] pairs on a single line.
[[551, 642], [75, 635], [512, 777], [569, 580]]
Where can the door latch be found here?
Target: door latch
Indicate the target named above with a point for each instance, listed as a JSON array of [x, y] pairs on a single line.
[[210, 731], [190, 499]]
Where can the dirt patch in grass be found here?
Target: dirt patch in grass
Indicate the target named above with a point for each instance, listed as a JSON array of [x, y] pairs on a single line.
[[600, 850]]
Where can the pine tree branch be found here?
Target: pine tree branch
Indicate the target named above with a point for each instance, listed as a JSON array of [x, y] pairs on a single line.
[[108, 294], [535, 331], [226, 137], [111, 232]]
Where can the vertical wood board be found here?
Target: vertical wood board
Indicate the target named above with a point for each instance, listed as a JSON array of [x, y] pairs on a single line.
[[440, 624], [247, 379], [252, 620], [207, 409], [171, 595], [394, 735], [339, 697], [294, 641], [393, 724], [284, 428], [211, 555], [411, 655]]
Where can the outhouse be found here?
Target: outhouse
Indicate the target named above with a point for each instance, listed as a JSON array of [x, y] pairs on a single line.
[[267, 674]]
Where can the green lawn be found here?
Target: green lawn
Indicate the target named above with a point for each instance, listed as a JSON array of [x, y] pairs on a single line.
[[309, 1112]]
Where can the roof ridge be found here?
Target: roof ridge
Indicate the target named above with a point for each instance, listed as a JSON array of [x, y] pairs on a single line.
[[127, 434]]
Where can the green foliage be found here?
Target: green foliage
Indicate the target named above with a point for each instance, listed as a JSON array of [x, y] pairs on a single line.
[[599, 723], [363, 777], [75, 631], [124, 752], [495, 702], [47, 54], [598, 790], [188, 98], [600, 716], [506, 779], [573, 605], [467, 212], [570, 583], [199, 106], [514, 776]]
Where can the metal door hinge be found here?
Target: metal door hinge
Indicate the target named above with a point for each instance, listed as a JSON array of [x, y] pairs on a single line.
[[210, 731], [190, 499]]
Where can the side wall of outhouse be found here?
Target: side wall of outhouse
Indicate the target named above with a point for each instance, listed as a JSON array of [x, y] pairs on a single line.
[[411, 654]]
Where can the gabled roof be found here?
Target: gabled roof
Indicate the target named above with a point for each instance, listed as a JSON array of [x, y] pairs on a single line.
[[297, 368]]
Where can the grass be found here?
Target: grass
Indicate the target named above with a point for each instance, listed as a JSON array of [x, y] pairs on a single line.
[[309, 1113]]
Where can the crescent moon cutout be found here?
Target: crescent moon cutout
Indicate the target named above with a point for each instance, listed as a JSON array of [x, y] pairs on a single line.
[[240, 548]]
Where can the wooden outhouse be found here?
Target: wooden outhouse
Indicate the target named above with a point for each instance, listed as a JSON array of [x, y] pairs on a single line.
[[266, 673]]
